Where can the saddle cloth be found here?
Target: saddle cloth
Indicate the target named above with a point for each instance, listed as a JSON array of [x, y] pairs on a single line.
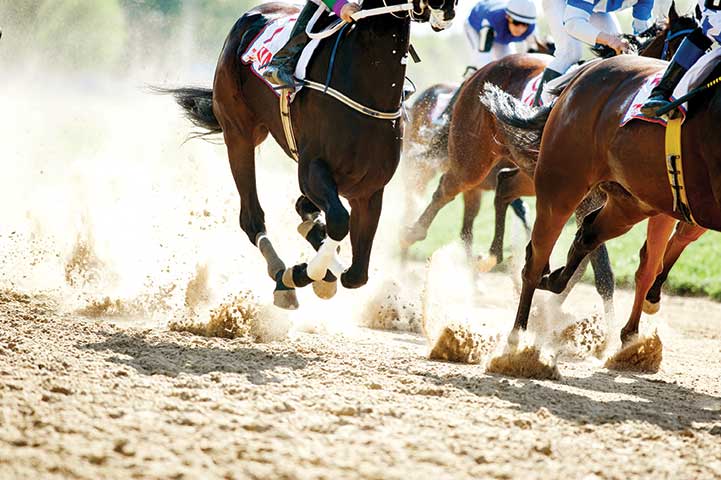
[[693, 78], [268, 42]]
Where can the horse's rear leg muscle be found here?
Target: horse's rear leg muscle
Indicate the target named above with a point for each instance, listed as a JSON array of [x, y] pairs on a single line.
[[510, 185], [652, 253], [365, 214], [685, 234], [471, 207]]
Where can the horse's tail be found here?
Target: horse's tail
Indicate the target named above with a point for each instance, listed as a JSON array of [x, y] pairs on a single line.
[[197, 104], [521, 125]]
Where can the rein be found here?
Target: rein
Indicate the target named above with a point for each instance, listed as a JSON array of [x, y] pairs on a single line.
[[337, 27], [672, 36], [340, 23]]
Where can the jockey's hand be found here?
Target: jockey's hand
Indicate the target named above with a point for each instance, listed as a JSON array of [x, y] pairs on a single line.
[[348, 10], [619, 44]]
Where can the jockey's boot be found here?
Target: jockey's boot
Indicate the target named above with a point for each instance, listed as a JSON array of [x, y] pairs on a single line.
[[548, 75], [281, 69], [691, 49]]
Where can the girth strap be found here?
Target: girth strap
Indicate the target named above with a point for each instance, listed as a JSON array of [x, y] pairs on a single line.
[[674, 168], [287, 123]]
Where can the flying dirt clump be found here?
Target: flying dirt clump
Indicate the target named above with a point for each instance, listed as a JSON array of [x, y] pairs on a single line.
[[242, 317], [525, 363], [458, 343], [197, 292], [392, 309], [584, 338], [644, 355], [83, 267]]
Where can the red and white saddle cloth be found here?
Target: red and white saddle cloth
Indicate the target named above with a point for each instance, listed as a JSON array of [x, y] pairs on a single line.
[[268, 42], [693, 78]]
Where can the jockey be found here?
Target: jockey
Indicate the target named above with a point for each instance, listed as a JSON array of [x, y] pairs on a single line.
[[574, 22], [691, 49], [494, 25], [281, 68]]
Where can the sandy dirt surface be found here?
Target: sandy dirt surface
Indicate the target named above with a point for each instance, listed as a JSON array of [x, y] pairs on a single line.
[[113, 230], [85, 398]]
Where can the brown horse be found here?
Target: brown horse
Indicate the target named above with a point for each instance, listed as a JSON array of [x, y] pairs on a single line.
[[514, 184], [425, 153], [581, 133], [474, 151], [341, 151]]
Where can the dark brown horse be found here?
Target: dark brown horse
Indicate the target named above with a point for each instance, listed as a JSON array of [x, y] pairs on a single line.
[[341, 152], [581, 133]]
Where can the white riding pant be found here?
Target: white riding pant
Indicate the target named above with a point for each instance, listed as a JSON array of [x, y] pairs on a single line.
[[711, 22], [569, 50]]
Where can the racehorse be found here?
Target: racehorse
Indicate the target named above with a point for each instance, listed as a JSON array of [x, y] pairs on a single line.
[[513, 184], [474, 146], [342, 151], [581, 133], [426, 151]]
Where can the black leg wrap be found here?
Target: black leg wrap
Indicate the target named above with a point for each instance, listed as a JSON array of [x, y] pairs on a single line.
[[316, 235], [300, 276]]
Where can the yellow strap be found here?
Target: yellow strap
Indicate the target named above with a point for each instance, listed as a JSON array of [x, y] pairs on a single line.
[[674, 168]]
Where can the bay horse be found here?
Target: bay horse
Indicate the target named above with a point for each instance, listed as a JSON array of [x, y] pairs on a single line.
[[341, 152], [581, 133], [475, 145], [426, 152]]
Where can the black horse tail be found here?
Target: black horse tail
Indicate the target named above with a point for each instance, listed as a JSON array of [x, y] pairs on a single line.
[[197, 104], [521, 125]]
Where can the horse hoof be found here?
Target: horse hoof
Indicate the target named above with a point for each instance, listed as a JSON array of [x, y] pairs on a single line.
[[650, 308], [411, 236], [325, 290], [285, 299], [485, 264]]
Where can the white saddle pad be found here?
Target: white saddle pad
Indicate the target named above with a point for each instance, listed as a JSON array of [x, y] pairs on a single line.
[[693, 78], [268, 42]]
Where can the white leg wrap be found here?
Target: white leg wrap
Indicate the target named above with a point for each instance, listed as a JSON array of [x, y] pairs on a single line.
[[336, 267], [323, 259]]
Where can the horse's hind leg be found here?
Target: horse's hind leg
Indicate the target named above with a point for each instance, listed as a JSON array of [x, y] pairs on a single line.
[[685, 234], [448, 187], [252, 219], [313, 229], [613, 219], [511, 184], [365, 213], [652, 252], [471, 207]]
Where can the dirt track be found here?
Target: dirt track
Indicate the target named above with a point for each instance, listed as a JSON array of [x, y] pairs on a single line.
[[89, 399]]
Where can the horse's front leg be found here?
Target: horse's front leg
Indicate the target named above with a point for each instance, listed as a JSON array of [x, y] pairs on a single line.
[[365, 213]]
